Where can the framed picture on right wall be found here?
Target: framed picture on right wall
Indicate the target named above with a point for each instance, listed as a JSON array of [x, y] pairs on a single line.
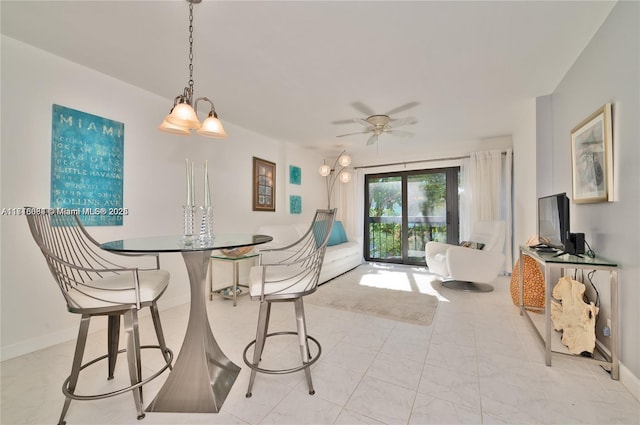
[[591, 158]]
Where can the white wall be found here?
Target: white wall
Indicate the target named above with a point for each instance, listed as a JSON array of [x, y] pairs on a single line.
[[524, 178], [544, 147], [32, 313], [608, 71]]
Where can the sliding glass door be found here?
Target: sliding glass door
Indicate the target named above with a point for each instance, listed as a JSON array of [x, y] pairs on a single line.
[[405, 210]]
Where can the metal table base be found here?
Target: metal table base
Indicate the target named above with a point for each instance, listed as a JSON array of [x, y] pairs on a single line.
[[202, 375]]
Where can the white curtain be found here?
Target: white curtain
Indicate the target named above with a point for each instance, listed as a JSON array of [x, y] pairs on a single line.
[[486, 182]]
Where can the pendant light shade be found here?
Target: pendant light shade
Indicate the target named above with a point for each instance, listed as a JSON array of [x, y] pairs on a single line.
[[167, 127], [212, 127], [184, 115]]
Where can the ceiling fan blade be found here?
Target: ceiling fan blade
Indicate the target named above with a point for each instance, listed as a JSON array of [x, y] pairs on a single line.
[[372, 140], [403, 108], [401, 133], [353, 134], [360, 121], [344, 121], [363, 109], [404, 121]]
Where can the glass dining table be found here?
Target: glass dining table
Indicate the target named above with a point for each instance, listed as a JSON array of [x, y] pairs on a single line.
[[202, 375]]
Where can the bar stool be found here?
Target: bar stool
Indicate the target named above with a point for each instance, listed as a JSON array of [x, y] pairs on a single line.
[[286, 275], [93, 285]]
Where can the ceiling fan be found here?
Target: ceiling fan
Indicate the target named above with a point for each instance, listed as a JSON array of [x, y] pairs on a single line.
[[379, 124]]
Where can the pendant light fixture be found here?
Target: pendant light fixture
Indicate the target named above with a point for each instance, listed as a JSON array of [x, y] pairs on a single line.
[[183, 117]]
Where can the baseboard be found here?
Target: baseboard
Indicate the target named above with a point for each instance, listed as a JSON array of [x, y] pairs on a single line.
[[38, 343], [630, 381]]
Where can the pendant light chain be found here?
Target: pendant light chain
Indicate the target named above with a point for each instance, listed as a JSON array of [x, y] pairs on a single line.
[[190, 52], [183, 117]]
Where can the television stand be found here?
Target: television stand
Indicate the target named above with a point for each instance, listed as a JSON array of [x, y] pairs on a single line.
[[546, 250], [549, 262], [568, 253]]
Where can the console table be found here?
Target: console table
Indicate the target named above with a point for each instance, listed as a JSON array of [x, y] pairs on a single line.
[[235, 284], [549, 261]]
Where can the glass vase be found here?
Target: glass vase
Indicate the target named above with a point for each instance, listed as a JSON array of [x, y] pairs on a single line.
[[206, 225], [188, 235]]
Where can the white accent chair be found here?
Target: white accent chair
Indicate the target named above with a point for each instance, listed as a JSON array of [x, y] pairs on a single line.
[[469, 269]]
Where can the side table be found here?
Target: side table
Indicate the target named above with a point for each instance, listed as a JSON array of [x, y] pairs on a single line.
[[230, 291]]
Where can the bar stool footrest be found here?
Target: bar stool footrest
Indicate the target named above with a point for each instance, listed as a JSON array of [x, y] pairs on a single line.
[[67, 393], [282, 371]]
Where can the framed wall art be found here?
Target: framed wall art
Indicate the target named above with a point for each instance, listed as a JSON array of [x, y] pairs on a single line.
[[87, 166], [295, 175], [591, 157], [264, 185], [295, 204]]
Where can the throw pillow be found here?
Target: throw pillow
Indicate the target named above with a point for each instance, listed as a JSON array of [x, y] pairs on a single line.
[[472, 244], [338, 235]]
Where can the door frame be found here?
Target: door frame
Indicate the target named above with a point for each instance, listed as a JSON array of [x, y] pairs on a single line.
[[453, 210]]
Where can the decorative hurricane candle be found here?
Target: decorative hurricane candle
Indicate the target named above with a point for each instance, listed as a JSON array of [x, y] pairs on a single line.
[[207, 191], [206, 222], [189, 208]]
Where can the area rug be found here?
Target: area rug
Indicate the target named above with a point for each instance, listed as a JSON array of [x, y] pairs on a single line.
[[402, 293]]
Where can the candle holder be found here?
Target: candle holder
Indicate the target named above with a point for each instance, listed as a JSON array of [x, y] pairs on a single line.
[[206, 224], [189, 224]]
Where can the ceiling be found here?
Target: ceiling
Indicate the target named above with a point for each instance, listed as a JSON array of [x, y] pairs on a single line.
[[296, 70]]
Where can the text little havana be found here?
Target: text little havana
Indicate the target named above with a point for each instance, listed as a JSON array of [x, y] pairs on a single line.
[[104, 211]]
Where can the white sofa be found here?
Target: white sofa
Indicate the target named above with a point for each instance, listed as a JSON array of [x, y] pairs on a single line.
[[338, 259]]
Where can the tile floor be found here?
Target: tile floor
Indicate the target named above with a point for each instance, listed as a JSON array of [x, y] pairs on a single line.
[[478, 363]]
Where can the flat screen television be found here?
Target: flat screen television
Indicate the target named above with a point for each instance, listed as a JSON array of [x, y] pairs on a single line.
[[553, 221]]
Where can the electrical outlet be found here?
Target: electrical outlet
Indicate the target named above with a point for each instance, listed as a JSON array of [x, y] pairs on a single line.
[[606, 331]]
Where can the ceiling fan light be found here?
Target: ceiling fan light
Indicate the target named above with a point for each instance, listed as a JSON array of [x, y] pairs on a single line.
[[345, 177], [167, 127], [344, 160], [324, 170], [212, 127], [183, 115]]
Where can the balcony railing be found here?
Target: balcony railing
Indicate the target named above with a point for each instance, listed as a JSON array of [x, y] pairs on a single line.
[[385, 235]]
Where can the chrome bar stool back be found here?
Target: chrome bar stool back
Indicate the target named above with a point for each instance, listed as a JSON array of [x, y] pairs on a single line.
[[94, 285], [287, 274]]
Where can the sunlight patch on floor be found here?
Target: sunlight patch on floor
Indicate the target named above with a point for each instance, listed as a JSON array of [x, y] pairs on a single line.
[[415, 279], [398, 280], [425, 286]]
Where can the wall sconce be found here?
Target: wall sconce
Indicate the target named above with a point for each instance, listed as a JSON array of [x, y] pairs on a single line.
[[337, 172], [183, 117]]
